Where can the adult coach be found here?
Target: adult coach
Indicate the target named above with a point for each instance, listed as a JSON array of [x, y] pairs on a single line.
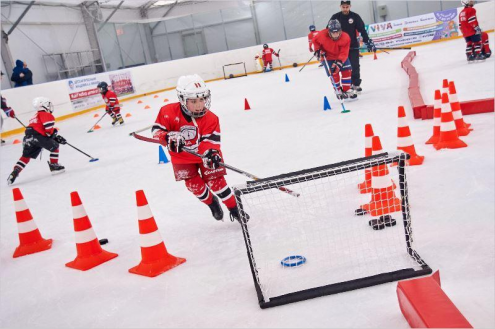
[[352, 22]]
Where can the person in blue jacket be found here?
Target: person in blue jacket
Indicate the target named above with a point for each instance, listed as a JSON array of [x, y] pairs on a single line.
[[21, 75]]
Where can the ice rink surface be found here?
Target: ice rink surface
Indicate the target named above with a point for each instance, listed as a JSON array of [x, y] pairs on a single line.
[[451, 196]]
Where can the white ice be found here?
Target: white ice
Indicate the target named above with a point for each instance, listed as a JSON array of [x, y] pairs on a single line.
[[451, 195]]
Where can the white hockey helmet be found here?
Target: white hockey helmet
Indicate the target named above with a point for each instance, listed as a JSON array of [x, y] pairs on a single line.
[[193, 87], [42, 104], [467, 2]]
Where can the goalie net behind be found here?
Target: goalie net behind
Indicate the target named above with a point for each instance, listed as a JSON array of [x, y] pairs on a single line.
[[234, 70], [342, 250]]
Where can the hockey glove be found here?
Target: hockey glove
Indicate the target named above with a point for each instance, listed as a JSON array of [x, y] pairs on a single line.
[[336, 67], [59, 139], [477, 29], [175, 141], [10, 113], [317, 53], [212, 159], [371, 46]]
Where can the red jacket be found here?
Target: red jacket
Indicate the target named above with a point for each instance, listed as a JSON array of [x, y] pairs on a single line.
[[200, 134], [267, 54], [43, 122], [468, 21], [334, 50], [111, 100], [311, 36]]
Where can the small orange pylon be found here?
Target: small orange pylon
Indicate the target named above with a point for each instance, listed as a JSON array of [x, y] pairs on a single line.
[[405, 141], [30, 239], [128, 115], [156, 96], [140, 102], [96, 127], [461, 126], [365, 187], [89, 251], [165, 100], [437, 113], [147, 107], [246, 104], [16, 141], [155, 257], [448, 132], [96, 115]]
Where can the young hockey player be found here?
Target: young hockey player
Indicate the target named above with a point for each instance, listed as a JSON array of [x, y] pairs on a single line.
[[333, 45], [471, 31], [312, 34], [8, 112], [113, 106], [266, 55], [486, 45], [40, 134], [190, 125]]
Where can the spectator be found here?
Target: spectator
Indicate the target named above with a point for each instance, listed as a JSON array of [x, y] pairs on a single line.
[[21, 75], [28, 75]]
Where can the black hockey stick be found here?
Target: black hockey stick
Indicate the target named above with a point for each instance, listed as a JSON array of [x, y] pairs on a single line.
[[20, 122], [385, 48], [337, 92], [278, 57], [307, 63], [91, 130], [239, 171], [89, 156]]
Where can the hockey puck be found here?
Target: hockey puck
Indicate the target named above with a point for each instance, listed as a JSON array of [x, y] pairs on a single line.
[[294, 64], [388, 220], [293, 261], [360, 212], [103, 241], [377, 224], [231, 76]]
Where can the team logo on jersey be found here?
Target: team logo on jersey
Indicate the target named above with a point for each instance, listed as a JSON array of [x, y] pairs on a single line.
[[188, 132], [198, 85], [351, 21]]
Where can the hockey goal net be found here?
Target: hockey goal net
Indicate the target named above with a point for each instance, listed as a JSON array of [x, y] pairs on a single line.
[[315, 244], [234, 70]]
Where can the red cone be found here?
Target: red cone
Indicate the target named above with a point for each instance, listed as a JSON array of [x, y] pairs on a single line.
[[246, 104], [365, 187]]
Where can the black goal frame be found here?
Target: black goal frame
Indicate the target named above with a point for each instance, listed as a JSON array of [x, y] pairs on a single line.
[[326, 171], [236, 75]]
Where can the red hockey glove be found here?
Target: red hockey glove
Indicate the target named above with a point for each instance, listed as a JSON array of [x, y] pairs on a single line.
[[336, 67], [175, 141], [10, 113], [212, 159]]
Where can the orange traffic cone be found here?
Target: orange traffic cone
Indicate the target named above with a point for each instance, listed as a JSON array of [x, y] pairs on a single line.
[[140, 102], [96, 115], [246, 104], [128, 115], [16, 141], [405, 141], [165, 100], [445, 86], [437, 113], [448, 132], [383, 199], [461, 126], [30, 239], [155, 258], [374, 56], [147, 107], [365, 187], [89, 251], [96, 127], [156, 96]]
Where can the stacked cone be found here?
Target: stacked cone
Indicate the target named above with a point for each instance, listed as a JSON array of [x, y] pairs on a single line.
[[89, 251], [405, 141], [383, 198], [448, 132], [437, 113], [155, 257], [461, 126], [246, 104], [445, 86], [365, 187], [30, 239]]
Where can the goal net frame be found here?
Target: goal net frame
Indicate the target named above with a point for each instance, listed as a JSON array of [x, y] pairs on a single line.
[[284, 181], [225, 76]]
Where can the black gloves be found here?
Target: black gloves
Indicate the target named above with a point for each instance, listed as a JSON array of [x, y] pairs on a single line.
[[371, 46], [212, 159], [175, 141], [59, 139]]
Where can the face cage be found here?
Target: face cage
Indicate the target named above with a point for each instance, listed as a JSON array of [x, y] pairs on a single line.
[[50, 107], [183, 104], [335, 39]]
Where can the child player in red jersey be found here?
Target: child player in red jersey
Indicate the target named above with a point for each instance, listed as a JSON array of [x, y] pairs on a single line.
[[267, 57], [471, 31], [190, 125], [112, 102]]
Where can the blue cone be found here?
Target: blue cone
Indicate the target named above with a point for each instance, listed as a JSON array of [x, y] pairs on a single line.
[[287, 78], [326, 104], [162, 157]]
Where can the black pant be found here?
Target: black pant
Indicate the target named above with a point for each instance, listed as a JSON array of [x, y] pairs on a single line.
[[356, 75], [34, 142]]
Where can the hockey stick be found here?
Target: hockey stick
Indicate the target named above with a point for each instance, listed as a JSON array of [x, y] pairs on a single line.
[[140, 130], [384, 48], [278, 57], [89, 156], [91, 130], [20, 122], [307, 63], [337, 92], [239, 171]]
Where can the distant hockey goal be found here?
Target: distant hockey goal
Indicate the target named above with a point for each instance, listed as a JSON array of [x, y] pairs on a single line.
[[234, 70], [314, 245]]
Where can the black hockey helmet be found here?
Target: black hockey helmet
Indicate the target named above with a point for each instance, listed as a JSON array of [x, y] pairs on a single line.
[[265, 46], [103, 86], [312, 28], [334, 27]]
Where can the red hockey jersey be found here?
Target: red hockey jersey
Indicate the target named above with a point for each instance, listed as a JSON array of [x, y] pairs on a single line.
[[468, 21], [43, 122], [267, 54], [334, 50], [111, 100], [311, 36], [200, 134]]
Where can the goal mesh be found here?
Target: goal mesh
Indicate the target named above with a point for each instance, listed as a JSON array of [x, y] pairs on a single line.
[[234, 70], [342, 251]]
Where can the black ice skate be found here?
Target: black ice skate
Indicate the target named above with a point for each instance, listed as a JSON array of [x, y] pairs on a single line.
[[234, 215], [388, 220], [56, 168], [121, 121], [350, 95], [487, 55], [470, 58], [480, 57], [377, 224], [12, 177], [357, 89], [3, 142], [114, 121], [216, 209]]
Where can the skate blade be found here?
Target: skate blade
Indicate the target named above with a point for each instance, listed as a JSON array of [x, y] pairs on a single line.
[[348, 100], [58, 172]]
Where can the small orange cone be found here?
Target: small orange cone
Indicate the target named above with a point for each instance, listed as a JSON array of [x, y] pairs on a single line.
[[96, 115], [165, 100], [16, 141], [461, 126], [437, 113], [383, 198], [147, 107], [365, 187], [30, 239], [128, 115], [374, 56], [405, 141], [156, 96], [155, 258], [96, 127], [89, 251], [140, 102], [448, 132], [445, 86], [246, 104]]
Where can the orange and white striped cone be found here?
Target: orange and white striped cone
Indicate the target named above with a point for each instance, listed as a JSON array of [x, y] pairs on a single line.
[[30, 239], [437, 113], [448, 132], [461, 126], [365, 187], [89, 251], [445, 86], [155, 258], [405, 141], [383, 198]]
